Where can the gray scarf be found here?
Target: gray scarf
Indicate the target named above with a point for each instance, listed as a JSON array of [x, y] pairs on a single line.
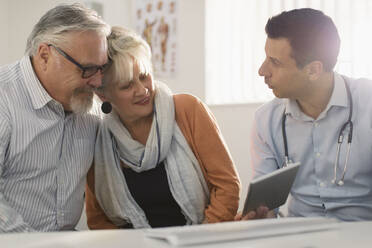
[[165, 143]]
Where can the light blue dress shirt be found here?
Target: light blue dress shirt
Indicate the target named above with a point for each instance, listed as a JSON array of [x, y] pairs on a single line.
[[44, 155], [314, 144]]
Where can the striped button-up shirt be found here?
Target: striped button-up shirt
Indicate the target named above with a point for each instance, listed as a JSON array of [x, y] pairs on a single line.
[[45, 154]]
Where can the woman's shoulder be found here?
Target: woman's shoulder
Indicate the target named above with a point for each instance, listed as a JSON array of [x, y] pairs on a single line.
[[186, 104], [187, 107], [191, 109], [185, 100]]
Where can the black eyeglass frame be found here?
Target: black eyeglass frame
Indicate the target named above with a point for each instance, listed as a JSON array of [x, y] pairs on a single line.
[[87, 71]]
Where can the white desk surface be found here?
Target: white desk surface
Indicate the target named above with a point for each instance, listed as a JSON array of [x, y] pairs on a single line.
[[357, 234]]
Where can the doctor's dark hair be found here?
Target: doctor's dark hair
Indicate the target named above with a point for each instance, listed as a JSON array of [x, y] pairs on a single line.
[[311, 34]]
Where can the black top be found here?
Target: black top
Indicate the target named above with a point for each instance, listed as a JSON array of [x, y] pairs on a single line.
[[150, 189]]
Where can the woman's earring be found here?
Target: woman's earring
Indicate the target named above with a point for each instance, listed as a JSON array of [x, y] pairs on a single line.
[[106, 107]]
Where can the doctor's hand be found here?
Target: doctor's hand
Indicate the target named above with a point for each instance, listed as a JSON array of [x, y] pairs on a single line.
[[260, 213]]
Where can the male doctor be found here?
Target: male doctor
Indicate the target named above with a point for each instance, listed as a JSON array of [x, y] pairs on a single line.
[[323, 120]]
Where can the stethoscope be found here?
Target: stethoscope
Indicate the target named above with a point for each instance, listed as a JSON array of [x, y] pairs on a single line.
[[339, 141]]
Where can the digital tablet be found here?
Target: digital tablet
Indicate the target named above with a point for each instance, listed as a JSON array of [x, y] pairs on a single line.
[[271, 190]]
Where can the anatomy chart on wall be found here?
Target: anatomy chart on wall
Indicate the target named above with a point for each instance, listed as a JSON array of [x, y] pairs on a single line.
[[156, 21]]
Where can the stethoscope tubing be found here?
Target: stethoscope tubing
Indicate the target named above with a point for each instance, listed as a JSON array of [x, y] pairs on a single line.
[[349, 123]]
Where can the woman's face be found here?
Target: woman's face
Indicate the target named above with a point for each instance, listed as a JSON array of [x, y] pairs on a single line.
[[133, 100]]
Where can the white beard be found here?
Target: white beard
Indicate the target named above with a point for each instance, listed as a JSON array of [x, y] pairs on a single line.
[[81, 103]]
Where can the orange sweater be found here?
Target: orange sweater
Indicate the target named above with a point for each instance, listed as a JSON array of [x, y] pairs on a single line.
[[203, 136]]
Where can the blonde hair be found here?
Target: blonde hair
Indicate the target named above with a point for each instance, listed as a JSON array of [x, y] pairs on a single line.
[[126, 48]]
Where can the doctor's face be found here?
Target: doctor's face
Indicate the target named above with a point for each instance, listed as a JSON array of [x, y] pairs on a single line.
[[280, 70]]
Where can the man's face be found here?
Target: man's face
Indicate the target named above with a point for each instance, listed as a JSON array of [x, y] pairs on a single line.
[[73, 91], [280, 70]]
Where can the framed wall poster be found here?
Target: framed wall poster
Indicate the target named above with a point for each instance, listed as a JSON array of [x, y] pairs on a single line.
[[156, 21]]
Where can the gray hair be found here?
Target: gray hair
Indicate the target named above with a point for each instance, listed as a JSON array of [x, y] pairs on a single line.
[[54, 24], [125, 49]]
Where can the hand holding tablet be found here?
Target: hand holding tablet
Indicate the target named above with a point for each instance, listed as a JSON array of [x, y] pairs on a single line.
[[271, 190]]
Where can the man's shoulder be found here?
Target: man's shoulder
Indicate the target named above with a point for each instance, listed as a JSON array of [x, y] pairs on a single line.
[[270, 109], [360, 84], [361, 90], [8, 74], [10, 79]]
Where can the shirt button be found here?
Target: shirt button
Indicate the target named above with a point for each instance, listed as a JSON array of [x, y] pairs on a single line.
[[322, 184], [318, 154], [316, 124]]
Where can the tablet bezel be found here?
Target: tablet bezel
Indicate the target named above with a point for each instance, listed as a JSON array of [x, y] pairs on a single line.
[[271, 190]]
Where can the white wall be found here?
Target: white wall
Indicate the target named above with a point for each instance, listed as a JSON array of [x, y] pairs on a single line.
[[190, 69], [235, 121], [23, 15], [4, 27]]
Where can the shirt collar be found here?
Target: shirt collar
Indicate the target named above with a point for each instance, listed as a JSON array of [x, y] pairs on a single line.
[[338, 98], [339, 94], [39, 96]]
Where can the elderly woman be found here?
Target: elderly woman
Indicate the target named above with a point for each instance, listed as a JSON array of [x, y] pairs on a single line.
[[160, 159]]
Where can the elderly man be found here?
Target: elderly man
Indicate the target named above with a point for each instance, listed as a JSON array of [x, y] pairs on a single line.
[[46, 135]]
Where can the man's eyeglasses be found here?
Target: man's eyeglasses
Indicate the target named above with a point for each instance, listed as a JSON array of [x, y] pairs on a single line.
[[87, 71]]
